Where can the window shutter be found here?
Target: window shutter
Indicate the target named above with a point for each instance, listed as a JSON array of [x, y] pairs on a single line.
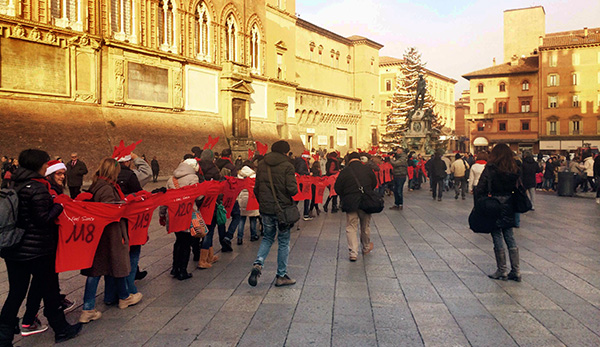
[[548, 80], [570, 127], [547, 128], [557, 128]]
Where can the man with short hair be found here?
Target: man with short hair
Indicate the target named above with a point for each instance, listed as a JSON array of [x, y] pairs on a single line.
[[347, 188], [400, 169], [76, 169], [274, 170], [460, 168]]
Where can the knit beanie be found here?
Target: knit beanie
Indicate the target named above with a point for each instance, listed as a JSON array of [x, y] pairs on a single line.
[[280, 146], [207, 155]]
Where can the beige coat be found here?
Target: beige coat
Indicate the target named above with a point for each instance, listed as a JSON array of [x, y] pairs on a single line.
[[459, 167]]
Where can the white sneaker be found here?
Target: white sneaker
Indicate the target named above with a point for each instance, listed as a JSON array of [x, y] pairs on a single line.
[[598, 201]]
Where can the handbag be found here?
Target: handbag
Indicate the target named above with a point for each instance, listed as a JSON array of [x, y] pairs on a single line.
[[370, 202], [485, 213], [288, 216], [520, 199], [199, 228]]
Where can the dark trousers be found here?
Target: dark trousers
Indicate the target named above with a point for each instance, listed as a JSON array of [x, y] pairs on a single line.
[[306, 207], [312, 201], [34, 299], [74, 191], [154, 176], [334, 204], [236, 215], [40, 271], [437, 187], [181, 250], [460, 186]]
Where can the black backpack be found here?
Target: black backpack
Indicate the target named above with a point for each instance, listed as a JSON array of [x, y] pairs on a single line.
[[10, 234]]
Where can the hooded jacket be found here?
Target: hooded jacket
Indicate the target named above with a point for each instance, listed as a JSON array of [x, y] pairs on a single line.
[[346, 186], [399, 164], [209, 169], [588, 163], [37, 213], [284, 182], [246, 172], [530, 168], [185, 175]]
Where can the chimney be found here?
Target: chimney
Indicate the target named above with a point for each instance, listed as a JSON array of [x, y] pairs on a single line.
[[585, 32], [494, 62], [541, 40]]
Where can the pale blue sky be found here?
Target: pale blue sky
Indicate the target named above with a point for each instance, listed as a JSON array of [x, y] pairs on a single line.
[[454, 36]]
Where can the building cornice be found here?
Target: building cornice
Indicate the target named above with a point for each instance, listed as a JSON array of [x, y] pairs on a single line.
[[330, 34], [320, 92]]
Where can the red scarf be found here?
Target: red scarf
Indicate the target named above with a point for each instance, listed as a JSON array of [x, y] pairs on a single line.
[[115, 185], [482, 162], [46, 184]]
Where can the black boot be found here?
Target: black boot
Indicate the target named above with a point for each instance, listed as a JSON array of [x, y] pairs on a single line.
[[515, 273], [140, 275], [6, 334], [184, 259], [500, 273], [196, 249], [69, 332], [174, 269]]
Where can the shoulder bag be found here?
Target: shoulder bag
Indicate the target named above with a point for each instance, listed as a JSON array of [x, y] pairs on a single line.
[[286, 217], [521, 202], [485, 213], [370, 202]]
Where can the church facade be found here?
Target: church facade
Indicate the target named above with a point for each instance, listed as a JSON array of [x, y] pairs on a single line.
[[79, 75]]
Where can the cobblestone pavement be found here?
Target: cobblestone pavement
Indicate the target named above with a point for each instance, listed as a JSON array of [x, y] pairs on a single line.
[[425, 283]]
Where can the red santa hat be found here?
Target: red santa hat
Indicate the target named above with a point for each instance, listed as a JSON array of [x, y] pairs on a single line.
[[306, 154], [53, 166]]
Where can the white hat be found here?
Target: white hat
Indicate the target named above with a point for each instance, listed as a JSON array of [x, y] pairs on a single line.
[[193, 163], [53, 166], [125, 158]]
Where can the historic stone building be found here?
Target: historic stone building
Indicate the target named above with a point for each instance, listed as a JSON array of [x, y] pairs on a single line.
[[440, 87], [81, 75], [545, 95]]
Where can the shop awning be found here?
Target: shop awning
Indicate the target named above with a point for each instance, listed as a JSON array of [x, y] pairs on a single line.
[[480, 141]]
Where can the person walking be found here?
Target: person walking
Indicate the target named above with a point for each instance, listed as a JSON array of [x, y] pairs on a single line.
[[155, 169], [246, 171], [32, 260], [499, 179], [112, 254], [529, 169], [76, 169], [400, 170], [332, 168], [477, 169], [348, 189], [276, 171], [459, 168], [597, 177], [438, 175], [588, 164], [302, 167]]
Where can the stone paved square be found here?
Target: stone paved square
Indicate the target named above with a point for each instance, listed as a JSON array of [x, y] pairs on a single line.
[[425, 284]]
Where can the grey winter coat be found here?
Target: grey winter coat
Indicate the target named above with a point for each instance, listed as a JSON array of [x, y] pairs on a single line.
[[399, 164]]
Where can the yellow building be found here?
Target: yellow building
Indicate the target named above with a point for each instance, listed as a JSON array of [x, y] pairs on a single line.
[[570, 89], [82, 75], [440, 87]]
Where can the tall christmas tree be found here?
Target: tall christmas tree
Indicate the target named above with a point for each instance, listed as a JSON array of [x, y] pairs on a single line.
[[403, 100]]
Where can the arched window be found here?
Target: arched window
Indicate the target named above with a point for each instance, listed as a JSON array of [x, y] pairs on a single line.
[[231, 39], [502, 86], [480, 108], [7, 7], [388, 85], [255, 48], [502, 107], [66, 13], [480, 88], [525, 85], [122, 20], [166, 25], [202, 32]]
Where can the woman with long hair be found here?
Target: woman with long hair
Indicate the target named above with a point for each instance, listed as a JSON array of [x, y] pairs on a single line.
[[112, 254], [501, 174]]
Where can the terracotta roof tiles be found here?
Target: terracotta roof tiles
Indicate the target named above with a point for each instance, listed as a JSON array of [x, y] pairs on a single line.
[[527, 65], [571, 38]]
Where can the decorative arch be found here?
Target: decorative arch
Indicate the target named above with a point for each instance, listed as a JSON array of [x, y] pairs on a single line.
[[311, 117], [203, 24], [256, 43]]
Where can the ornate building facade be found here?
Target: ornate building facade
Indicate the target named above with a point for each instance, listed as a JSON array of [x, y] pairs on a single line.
[[82, 75]]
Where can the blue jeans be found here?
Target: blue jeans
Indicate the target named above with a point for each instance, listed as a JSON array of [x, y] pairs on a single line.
[[235, 220], [270, 227], [398, 188], [548, 183], [507, 235], [110, 285], [242, 225], [517, 220], [91, 286], [207, 241]]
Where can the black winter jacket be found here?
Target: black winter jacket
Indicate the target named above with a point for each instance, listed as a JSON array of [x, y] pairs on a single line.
[[37, 213], [210, 170], [597, 166], [332, 169], [530, 168], [301, 166], [128, 181], [502, 185], [226, 163], [437, 167], [346, 187], [284, 182]]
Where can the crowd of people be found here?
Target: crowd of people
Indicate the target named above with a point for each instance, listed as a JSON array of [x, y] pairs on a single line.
[[38, 180]]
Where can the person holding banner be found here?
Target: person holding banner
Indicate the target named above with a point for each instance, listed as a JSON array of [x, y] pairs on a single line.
[[333, 168], [211, 172], [274, 171], [184, 175], [303, 169], [245, 172], [33, 258], [112, 255]]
